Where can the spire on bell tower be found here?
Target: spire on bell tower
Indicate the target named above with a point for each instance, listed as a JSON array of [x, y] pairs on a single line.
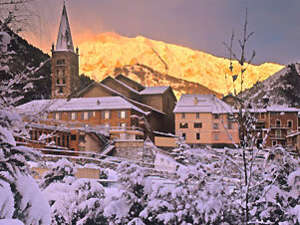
[[64, 61], [64, 37]]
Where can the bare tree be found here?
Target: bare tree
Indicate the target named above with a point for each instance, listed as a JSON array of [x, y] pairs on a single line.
[[244, 116]]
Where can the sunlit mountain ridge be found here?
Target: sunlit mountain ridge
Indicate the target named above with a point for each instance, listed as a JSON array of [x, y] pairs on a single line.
[[101, 54]]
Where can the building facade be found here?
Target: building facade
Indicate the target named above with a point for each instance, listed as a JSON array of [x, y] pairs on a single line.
[[275, 123], [205, 120]]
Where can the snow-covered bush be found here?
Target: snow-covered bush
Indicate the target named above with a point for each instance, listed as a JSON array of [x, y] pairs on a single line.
[[63, 171], [134, 194], [73, 201]]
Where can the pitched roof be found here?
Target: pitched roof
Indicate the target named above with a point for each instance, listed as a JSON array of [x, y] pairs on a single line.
[[131, 83], [138, 104], [201, 103], [154, 90], [64, 37], [79, 104], [120, 83]]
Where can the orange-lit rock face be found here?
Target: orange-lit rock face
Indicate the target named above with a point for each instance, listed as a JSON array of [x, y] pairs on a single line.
[[99, 56]]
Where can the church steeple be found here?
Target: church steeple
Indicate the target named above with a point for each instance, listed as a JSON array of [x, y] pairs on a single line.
[[64, 61], [64, 37]]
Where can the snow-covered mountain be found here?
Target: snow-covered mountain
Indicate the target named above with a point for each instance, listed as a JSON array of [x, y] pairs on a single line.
[[282, 88], [101, 54]]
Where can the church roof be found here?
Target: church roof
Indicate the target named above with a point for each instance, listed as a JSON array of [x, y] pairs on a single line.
[[64, 37], [78, 104]]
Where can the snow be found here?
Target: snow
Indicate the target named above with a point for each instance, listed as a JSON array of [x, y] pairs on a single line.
[[154, 90], [79, 104], [6, 201], [32, 201], [201, 103], [10, 222]]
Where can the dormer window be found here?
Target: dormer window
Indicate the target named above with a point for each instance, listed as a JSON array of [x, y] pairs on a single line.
[[57, 81], [64, 81]]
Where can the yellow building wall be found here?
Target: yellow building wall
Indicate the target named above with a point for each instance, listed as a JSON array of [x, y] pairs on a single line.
[[207, 132]]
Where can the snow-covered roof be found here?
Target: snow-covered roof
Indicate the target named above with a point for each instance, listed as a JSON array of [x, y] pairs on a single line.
[[201, 103], [79, 104], [293, 134], [64, 37], [275, 108], [154, 90], [139, 104], [123, 84]]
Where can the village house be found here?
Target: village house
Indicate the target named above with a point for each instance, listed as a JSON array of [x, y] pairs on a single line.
[[276, 123], [205, 120]]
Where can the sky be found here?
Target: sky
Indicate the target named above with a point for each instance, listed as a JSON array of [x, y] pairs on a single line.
[[199, 24]]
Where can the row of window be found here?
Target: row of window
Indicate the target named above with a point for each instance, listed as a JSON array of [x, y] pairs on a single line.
[[87, 115], [289, 123], [199, 125], [197, 115], [216, 136], [63, 140]]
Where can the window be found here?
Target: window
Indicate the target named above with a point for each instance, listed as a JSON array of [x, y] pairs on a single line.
[[216, 116], [106, 115], [85, 115], [60, 62], [215, 126], [58, 140], [123, 125], [229, 125], [184, 136], [290, 124], [81, 138], [274, 143], [197, 125], [63, 140], [73, 115], [278, 133], [73, 137], [60, 90], [63, 81], [57, 81], [183, 125], [122, 114], [197, 115], [216, 137], [198, 136], [68, 141], [278, 123], [57, 115], [183, 116], [262, 115], [90, 114]]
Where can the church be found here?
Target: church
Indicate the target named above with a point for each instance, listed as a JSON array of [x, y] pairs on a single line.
[[117, 108]]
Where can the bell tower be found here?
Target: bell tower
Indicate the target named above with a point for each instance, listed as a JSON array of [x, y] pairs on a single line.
[[64, 61]]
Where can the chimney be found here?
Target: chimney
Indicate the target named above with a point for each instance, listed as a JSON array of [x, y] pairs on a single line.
[[196, 101]]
